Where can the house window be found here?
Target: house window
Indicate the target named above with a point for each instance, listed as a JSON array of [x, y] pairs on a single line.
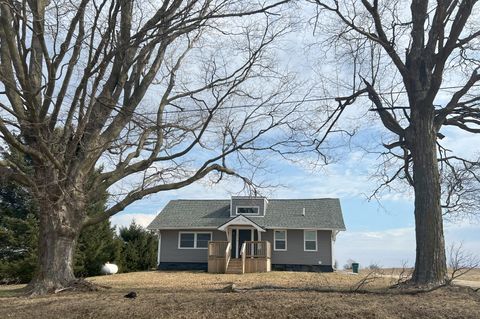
[[194, 240], [280, 240], [187, 240], [310, 240], [203, 239], [247, 210]]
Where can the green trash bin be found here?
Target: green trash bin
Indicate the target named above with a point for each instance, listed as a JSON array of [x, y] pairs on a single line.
[[355, 268]]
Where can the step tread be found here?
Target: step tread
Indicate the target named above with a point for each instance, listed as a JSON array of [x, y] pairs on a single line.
[[235, 266]]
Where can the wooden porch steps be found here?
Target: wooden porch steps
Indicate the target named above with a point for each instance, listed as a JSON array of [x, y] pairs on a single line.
[[235, 266], [257, 256]]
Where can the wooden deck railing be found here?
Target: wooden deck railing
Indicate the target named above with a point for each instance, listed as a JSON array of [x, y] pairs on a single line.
[[219, 253], [217, 248], [256, 256], [258, 249]]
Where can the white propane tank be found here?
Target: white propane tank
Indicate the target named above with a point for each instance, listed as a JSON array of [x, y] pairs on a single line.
[[109, 269]]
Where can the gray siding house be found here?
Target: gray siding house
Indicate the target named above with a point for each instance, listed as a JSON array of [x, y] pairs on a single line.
[[248, 234]]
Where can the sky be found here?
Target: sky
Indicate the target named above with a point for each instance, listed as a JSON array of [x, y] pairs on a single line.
[[378, 232]]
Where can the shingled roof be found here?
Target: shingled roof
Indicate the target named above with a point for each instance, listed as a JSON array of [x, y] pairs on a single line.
[[322, 213]]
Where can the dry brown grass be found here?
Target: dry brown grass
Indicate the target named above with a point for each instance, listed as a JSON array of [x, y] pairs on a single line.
[[199, 295], [473, 275], [469, 279], [204, 281]]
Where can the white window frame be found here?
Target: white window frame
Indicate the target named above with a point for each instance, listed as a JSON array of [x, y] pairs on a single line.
[[194, 238], [305, 241], [257, 207], [275, 240]]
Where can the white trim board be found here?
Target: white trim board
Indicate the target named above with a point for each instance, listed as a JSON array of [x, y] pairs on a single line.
[[240, 220], [159, 248]]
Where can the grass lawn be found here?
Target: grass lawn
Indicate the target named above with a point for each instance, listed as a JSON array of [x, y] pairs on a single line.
[[200, 295]]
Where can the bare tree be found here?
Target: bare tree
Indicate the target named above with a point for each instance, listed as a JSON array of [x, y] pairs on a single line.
[[460, 261], [370, 277], [417, 62], [460, 189], [155, 94]]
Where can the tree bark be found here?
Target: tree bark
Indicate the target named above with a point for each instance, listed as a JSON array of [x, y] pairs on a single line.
[[430, 264], [59, 231]]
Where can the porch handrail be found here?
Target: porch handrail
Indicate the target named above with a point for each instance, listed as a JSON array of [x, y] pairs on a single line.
[[244, 255], [258, 249], [228, 253]]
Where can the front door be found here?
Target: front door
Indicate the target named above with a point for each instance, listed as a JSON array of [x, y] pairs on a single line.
[[243, 235], [239, 236]]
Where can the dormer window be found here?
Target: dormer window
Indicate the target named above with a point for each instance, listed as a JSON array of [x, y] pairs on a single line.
[[248, 210], [248, 206]]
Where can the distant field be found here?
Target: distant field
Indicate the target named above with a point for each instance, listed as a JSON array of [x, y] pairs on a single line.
[[200, 295], [473, 274]]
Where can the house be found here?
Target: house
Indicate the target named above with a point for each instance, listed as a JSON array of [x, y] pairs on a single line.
[[248, 234]]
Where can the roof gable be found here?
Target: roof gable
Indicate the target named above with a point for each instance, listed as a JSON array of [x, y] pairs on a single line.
[[241, 220]]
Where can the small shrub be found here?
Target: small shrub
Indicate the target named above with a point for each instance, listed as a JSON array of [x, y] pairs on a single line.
[[374, 267], [348, 265]]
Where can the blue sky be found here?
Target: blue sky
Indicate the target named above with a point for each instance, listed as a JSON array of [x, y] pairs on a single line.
[[380, 232]]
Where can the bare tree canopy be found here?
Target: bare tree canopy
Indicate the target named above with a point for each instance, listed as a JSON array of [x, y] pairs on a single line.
[[155, 94], [415, 64]]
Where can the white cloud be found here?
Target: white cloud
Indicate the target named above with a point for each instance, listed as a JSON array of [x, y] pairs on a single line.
[[461, 143], [339, 181], [392, 247], [386, 248], [124, 220]]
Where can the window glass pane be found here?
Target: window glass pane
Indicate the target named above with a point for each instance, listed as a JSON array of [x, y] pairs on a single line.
[[310, 245], [247, 210], [279, 244], [202, 240], [279, 234], [187, 240], [310, 235]]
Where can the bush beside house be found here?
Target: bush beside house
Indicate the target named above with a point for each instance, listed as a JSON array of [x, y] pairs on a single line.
[[139, 251]]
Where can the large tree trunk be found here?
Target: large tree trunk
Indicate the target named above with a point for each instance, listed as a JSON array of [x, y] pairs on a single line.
[[59, 228], [55, 262], [430, 263]]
